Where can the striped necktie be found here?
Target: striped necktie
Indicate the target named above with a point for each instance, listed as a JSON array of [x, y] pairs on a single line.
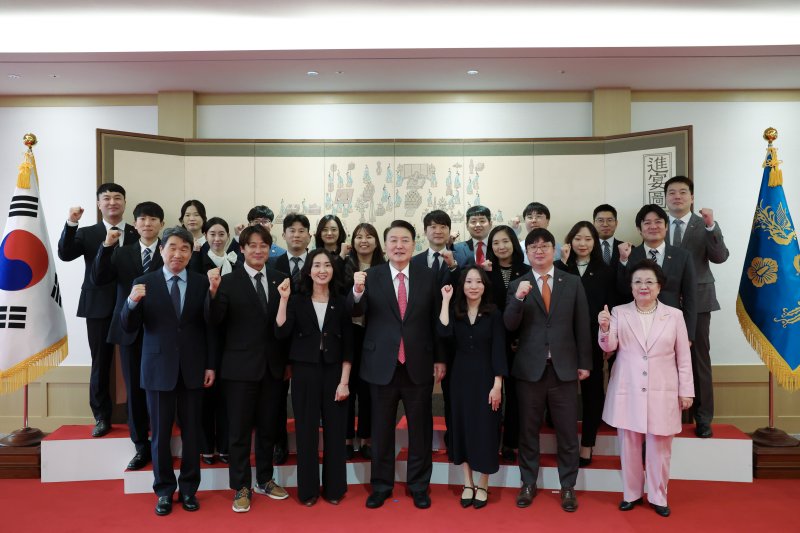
[[146, 259]]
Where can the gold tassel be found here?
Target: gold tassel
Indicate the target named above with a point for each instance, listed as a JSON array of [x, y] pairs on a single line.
[[33, 367], [786, 377], [775, 173], [24, 176]]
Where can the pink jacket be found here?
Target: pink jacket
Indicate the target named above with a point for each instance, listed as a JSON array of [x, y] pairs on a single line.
[[649, 374]]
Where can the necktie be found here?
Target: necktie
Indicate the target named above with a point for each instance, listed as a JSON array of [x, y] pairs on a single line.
[[146, 259], [402, 303], [546, 292], [262, 294], [677, 237], [479, 257], [295, 268], [175, 295], [654, 255], [606, 252], [436, 264]]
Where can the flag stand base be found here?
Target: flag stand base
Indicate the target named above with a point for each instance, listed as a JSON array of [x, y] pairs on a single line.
[[774, 438], [23, 437]]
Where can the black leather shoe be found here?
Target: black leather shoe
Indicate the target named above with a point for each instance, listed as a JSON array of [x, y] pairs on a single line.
[[377, 498], [421, 499], [366, 451], [101, 429], [568, 500], [332, 501], [311, 501], [661, 510], [139, 461], [349, 451], [480, 504], [189, 503], [703, 431], [164, 505], [467, 502], [279, 455], [584, 462], [628, 506], [223, 458], [526, 495], [208, 459]]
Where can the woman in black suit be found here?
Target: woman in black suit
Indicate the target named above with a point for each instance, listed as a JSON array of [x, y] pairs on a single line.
[[319, 324], [504, 263], [581, 255], [215, 415], [365, 252]]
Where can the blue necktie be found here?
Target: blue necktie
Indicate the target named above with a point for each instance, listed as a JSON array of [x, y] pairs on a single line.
[[146, 259], [175, 295]]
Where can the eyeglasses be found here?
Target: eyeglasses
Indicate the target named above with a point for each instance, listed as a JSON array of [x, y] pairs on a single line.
[[605, 220], [261, 221], [540, 247], [536, 217]]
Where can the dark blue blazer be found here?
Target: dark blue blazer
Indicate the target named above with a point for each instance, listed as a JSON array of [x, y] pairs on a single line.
[[445, 276], [302, 326], [172, 346]]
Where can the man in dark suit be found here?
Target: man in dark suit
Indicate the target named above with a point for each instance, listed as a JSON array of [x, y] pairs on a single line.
[[701, 236], [254, 365], [605, 222], [473, 250], [680, 290], [550, 312], [437, 257], [96, 302], [122, 265], [259, 215], [297, 234], [400, 360], [171, 305]]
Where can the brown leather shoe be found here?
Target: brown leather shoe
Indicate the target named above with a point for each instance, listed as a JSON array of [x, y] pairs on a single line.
[[526, 495], [568, 500]]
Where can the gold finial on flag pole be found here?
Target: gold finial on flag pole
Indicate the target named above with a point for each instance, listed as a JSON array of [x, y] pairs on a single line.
[[24, 176], [770, 134], [772, 161]]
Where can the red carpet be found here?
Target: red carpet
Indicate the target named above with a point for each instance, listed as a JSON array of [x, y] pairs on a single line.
[[765, 505]]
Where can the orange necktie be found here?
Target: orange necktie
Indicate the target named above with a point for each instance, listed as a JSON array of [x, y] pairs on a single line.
[[546, 292]]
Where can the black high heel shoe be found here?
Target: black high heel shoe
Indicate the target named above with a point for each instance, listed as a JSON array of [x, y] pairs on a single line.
[[466, 502], [582, 461]]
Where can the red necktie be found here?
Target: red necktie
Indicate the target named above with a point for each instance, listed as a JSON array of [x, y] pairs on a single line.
[[402, 302], [479, 257]]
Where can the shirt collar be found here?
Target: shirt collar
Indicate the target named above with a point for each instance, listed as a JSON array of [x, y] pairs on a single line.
[[120, 226], [301, 256], [153, 247], [394, 271], [685, 219], [431, 251], [660, 249], [252, 271], [168, 275], [550, 273]]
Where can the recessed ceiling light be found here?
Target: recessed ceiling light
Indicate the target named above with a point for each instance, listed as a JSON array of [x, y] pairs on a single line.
[[472, 73], [340, 72], [14, 76], [54, 75], [562, 71], [312, 73]]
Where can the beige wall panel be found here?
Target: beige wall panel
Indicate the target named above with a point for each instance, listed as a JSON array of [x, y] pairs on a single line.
[[225, 185], [152, 177], [67, 400]]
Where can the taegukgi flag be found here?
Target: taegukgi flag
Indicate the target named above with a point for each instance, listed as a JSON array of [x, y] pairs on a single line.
[[33, 331], [768, 305]]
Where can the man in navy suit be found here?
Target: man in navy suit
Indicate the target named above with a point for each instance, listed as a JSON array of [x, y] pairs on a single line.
[[401, 358], [171, 305], [96, 303], [479, 224], [437, 257], [122, 265], [605, 222]]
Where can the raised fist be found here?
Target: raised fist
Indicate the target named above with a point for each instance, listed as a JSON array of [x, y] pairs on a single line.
[[112, 237], [137, 292], [624, 252], [285, 288], [523, 289], [75, 214], [447, 293], [359, 279]]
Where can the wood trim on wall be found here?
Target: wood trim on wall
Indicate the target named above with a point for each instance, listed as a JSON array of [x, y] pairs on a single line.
[[97, 100]]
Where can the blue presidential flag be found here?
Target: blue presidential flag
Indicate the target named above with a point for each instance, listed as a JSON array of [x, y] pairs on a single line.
[[768, 305], [33, 331]]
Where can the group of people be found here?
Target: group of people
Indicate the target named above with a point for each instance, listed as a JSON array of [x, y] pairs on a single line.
[[215, 326]]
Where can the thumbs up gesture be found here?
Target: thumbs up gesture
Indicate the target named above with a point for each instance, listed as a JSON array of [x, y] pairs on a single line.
[[604, 319]]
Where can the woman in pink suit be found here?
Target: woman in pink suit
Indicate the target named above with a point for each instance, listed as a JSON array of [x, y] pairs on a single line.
[[651, 382]]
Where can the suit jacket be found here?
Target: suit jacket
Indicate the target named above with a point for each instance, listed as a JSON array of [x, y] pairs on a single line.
[[96, 301], [599, 283], [681, 288], [563, 332], [385, 328], [121, 265], [704, 246], [250, 346], [445, 276], [499, 290], [274, 250], [172, 346], [649, 373], [302, 327], [464, 252], [614, 252]]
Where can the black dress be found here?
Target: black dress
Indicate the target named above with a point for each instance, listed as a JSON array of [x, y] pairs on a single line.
[[480, 355]]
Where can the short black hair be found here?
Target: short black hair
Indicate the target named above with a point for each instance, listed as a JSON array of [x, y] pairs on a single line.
[[201, 209], [651, 208], [437, 216], [652, 266], [536, 208], [148, 209], [179, 232], [679, 179], [318, 234], [110, 187], [306, 285], [291, 218], [248, 232], [260, 211], [539, 234], [213, 221], [479, 211], [604, 207], [399, 223]]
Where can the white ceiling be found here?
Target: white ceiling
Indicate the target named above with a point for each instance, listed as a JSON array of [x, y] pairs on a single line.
[[147, 46]]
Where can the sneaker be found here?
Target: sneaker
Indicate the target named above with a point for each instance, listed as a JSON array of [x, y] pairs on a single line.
[[272, 489], [241, 500]]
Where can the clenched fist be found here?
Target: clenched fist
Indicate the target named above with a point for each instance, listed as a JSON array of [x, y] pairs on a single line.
[[624, 252], [359, 280], [112, 237], [137, 292], [214, 277], [75, 214], [523, 289], [285, 289]]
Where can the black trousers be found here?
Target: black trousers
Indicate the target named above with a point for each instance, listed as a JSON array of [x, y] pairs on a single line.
[[282, 438], [417, 404], [359, 392], [313, 393], [138, 417], [100, 377], [215, 421], [562, 400], [703, 405], [163, 406], [593, 397], [251, 404], [511, 407]]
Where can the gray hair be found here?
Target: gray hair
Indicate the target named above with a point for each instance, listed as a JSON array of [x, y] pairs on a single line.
[[180, 232]]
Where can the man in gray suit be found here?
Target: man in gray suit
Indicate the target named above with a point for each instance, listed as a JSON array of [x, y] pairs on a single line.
[[551, 313], [702, 237]]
